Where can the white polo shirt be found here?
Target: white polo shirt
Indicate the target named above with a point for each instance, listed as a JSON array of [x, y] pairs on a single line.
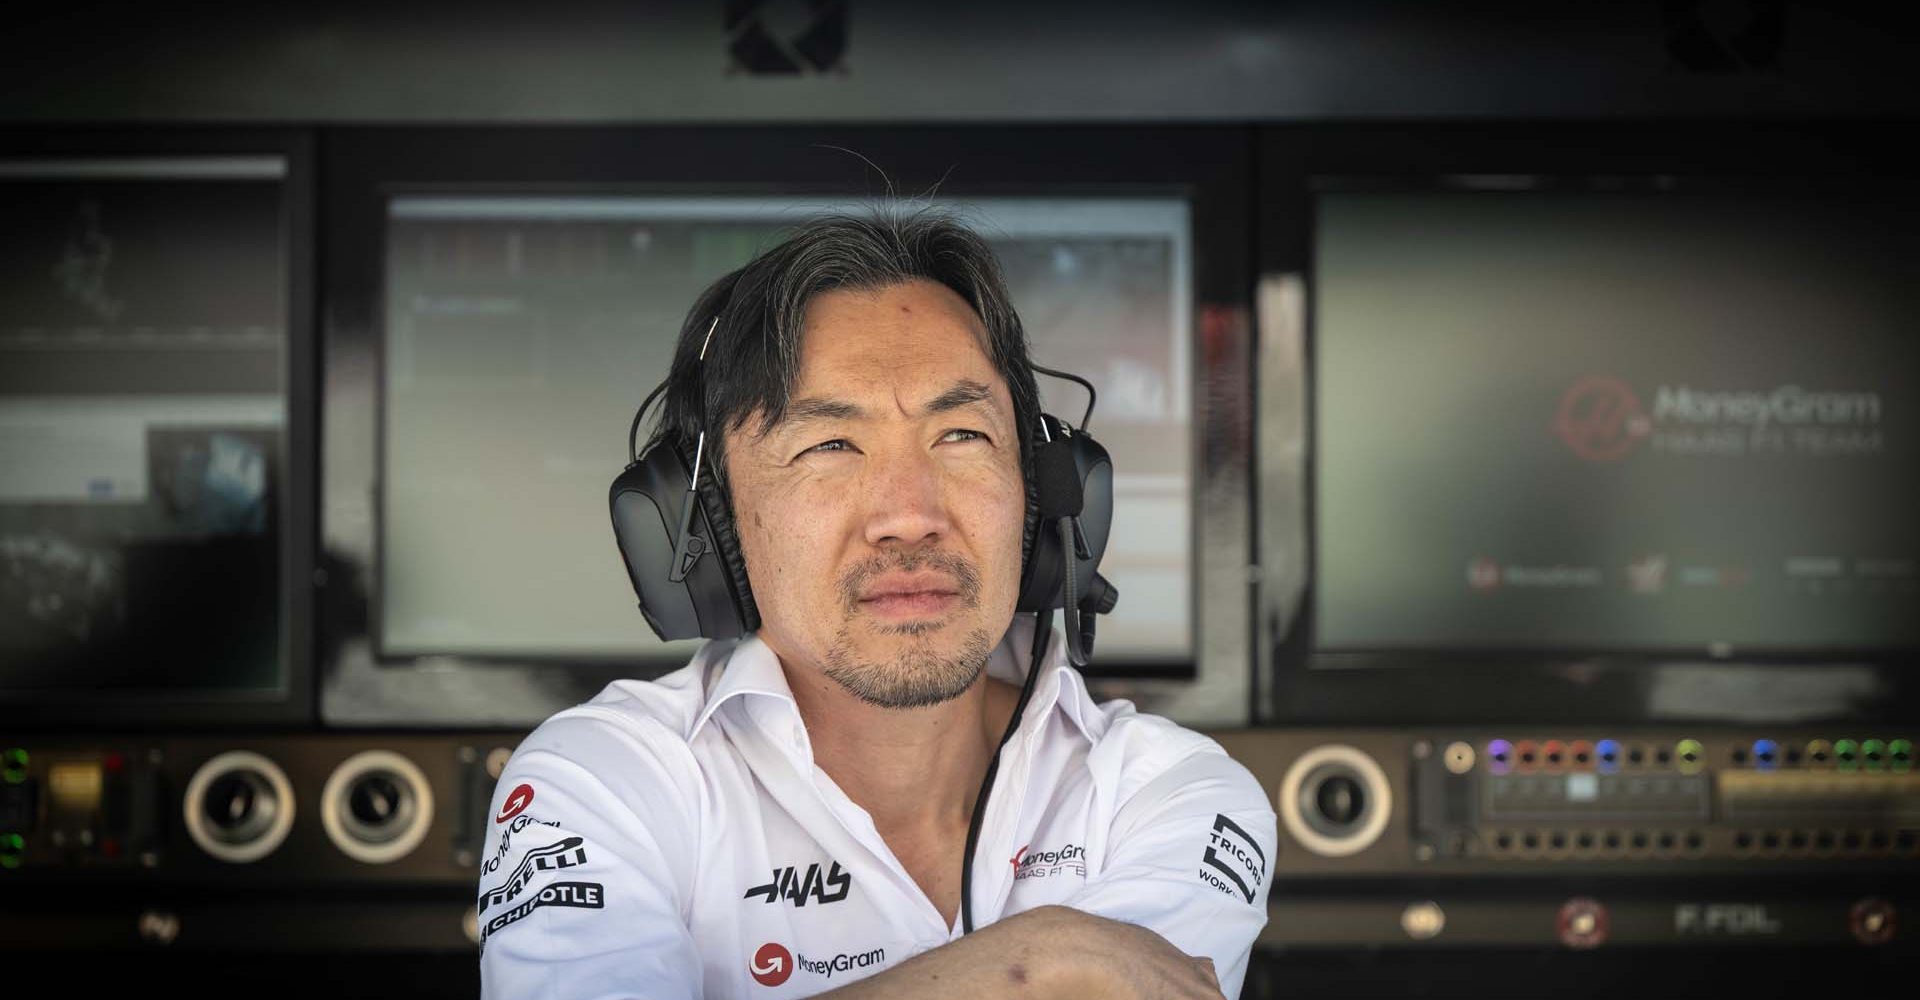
[[673, 838]]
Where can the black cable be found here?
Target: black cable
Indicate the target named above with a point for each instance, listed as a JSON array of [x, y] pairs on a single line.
[[1042, 626], [633, 432], [1088, 418]]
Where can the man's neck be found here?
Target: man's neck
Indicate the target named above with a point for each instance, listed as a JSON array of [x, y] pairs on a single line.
[[916, 771]]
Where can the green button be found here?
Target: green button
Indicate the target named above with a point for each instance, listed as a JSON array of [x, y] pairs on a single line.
[[14, 842], [17, 757], [13, 775], [9, 860]]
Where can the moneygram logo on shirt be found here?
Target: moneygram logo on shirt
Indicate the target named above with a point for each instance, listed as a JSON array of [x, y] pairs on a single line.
[[1047, 864], [1602, 419], [772, 964]]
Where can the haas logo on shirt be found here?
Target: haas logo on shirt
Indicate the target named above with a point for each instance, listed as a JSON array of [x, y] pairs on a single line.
[[790, 885], [771, 965]]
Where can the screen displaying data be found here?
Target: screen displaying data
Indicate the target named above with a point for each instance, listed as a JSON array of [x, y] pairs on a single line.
[[143, 324], [1616, 421], [523, 331]]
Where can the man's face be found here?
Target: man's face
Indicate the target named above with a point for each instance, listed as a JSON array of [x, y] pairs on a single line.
[[881, 519]]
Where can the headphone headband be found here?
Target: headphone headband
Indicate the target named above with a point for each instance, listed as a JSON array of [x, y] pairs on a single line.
[[667, 518]]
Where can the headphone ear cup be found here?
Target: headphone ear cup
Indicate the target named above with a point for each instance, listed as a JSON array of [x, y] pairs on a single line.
[[1040, 578], [646, 501], [719, 514]]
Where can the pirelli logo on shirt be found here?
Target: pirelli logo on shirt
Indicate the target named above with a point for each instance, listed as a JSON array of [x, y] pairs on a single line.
[[1233, 862], [567, 853]]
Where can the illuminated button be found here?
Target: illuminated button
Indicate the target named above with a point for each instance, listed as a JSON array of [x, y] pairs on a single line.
[[1423, 921], [1900, 755], [1499, 756], [1820, 753], [1582, 923], [1847, 753], [1873, 754], [1692, 756], [74, 786], [1607, 754]]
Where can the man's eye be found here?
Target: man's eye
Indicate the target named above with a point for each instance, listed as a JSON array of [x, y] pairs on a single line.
[[972, 435], [837, 444]]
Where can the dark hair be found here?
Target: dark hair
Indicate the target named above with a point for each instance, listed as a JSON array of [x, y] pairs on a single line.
[[754, 358]]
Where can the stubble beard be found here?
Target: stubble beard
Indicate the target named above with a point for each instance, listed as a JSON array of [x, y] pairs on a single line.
[[921, 674]]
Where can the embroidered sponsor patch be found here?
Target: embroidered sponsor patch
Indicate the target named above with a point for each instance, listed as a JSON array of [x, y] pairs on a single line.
[[788, 883], [567, 853], [771, 965], [580, 895], [1233, 863], [1068, 859], [517, 802]]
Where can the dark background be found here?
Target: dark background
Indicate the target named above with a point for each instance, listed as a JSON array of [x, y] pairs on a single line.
[[157, 69]]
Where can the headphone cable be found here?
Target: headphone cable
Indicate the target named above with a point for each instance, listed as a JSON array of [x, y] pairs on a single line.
[[1042, 627]]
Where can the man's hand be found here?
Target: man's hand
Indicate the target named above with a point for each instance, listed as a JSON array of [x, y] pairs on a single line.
[[1052, 952], [1109, 958]]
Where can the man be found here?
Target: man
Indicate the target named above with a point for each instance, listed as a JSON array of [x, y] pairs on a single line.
[[787, 815]]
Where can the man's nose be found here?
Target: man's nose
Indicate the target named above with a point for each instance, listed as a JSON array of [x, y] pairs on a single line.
[[904, 499]]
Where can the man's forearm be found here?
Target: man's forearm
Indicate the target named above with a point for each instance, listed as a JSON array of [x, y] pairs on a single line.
[[1008, 958]]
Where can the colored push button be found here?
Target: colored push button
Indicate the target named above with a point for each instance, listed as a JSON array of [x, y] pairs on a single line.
[[1607, 755], [13, 766], [1873, 754], [11, 844], [1691, 755], [1900, 755], [1499, 756], [1847, 753]]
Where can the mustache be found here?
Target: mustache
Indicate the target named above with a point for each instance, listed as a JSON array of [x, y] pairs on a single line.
[[855, 580]]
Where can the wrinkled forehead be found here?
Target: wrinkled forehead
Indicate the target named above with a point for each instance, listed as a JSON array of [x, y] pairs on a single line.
[[902, 347]]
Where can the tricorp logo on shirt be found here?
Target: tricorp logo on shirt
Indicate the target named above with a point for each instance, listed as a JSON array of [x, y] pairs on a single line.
[[771, 965]]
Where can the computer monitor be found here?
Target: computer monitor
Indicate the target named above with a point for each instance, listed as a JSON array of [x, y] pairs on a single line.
[[522, 330], [143, 412], [1641, 416]]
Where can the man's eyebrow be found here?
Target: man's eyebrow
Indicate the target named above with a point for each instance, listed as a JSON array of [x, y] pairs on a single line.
[[965, 392]]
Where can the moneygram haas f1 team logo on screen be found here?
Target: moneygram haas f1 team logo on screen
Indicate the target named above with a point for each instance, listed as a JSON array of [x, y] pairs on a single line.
[[1601, 419]]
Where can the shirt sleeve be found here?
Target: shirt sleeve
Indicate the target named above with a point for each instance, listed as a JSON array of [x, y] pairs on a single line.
[[1188, 858], [584, 875]]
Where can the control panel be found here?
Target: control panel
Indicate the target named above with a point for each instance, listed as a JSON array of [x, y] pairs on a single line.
[[1525, 835]]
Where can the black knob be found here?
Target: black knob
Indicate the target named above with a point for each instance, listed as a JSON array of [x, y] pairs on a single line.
[[1340, 800], [231, 800], [374, 800]]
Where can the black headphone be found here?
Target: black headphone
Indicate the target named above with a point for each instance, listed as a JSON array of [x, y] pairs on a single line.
[[668, 517]]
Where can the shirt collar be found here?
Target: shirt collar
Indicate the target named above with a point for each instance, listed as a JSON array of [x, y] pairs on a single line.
[[752, 669]]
